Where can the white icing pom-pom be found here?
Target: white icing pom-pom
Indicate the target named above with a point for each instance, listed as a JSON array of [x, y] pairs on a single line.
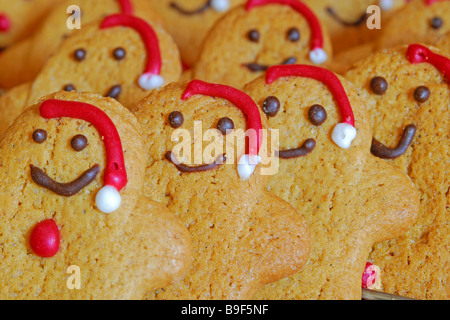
[[318, 56], [343, 135], [386, 4], [149, 81], [220, 5], [246, 166], [108, 199]]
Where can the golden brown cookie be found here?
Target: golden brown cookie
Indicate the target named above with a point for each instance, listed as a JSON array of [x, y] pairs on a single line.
[[76, 224], [421, 21], [407, 94], [347, 20], [120, 56], [349, 198], [243, 235], [188, 22], [33, 52], [444, 43], [261, 33], [18, 19]]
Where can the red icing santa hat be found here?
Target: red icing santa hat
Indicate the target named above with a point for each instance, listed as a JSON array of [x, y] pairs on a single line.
[[5, 22], [417, 53], [317, 54], [248, 162], [150, 78], [428, 2], [344, 133], [126, 6], [115, 176]]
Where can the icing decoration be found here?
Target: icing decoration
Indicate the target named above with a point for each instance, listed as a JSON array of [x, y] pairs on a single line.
[[381, 151], [358, 22], [344, 133], [220, 5], [371, 277], [5, 23], [386, 4], [217, 5], [151, 78], [202, 168], [248, 162], [44, 238], [317, 54], [126, 7], [417, 53], [115, 174], [429, 2]]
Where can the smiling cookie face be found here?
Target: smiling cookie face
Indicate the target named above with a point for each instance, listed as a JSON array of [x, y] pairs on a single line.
[[420, 21], [231, 218], [346, 21], [56, 164], [410, 90], [258, 36], [318, 175], [188, 21]]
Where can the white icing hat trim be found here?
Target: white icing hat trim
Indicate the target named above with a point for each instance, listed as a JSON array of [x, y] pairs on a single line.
[[220, 5], [149, 81], [108, 199], [386, 4], [318, 56], [343, 135], [246, 166]]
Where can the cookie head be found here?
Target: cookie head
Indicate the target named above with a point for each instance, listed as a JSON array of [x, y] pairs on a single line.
[[389, 87], [125, 57], [320, 122], [261, 34]]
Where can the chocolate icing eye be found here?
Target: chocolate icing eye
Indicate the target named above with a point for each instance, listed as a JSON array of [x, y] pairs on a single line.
[[119, 53], [176, 119], [253, 35], [317, 115], [225, 125], [69, 87], [79, 142], [436, 23], [379, 85], [39, 135], [422, 94], [271, 106], [115, 91], [293, 34], [79, 54]]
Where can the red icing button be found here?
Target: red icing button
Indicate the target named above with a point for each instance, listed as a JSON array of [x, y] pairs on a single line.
[[5, 23], [44, 239]]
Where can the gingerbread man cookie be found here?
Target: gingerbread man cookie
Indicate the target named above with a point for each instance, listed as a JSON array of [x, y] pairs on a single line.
[[347, 21], [261, 33], [122, 57], [419, 21], [350, 198], [23, 61], [76, 222], [243, 235], [406, 91], [188, 21], [444, 43], [18, 19]]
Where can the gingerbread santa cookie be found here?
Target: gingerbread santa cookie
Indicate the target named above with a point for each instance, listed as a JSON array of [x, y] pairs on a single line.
[[18, 19], [350, 22], [419, 21], [121, 56], [261, 33], [23, 61], [188, 21], [243, 235], [350, 198], [406, 91], [444, 43], [76, 224]]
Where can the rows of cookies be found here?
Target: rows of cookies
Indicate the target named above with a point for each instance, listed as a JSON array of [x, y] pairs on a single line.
[[340, 182]]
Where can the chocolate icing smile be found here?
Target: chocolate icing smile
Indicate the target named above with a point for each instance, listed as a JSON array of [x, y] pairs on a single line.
[[255, 67], [64, 189], [200, 10], [381, 151], [355, 23], [188, 169], [306, 148]]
